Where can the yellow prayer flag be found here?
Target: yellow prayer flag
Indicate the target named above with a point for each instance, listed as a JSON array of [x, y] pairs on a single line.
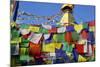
[[13, 24], [51, 47], [78, 27], [81, 59], [34, 28], [55, 37], [58, 45], [22, 51], [92, 29], [17, 40], [82, 41]]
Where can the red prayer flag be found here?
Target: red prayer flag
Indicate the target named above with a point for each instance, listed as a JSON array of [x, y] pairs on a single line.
[[92, 23], [26, 36], [53, 30], [80, 48], [84, 34], [68, 37], [35, 49]]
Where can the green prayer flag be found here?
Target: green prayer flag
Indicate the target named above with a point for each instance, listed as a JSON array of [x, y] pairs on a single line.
[[24, 51], [43, 30], [24, 44], [14, 33], [75, 36], [70, 47], [24, 26], [14, 36], [59, 37], [24, 57], [65, 46], [85, 25], [25, 40]]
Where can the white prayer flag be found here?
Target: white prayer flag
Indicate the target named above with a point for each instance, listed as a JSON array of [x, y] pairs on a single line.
[[24, 31], [61, 30], [36, 38], [46, 36], [85, 47], [47, 26]]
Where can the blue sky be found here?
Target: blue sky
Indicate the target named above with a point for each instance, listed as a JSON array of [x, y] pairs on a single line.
[[82, 13]]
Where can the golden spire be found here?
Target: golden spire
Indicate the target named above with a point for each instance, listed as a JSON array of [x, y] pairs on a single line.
[[68, 7]]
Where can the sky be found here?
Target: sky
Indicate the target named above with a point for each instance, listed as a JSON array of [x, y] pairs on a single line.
[[81, 13]]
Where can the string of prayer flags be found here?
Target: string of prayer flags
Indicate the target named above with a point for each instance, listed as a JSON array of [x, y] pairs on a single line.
[[62, 44], [38, 40]]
